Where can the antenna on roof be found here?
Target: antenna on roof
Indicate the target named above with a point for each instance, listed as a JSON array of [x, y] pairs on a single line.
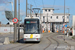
[[36, 11]]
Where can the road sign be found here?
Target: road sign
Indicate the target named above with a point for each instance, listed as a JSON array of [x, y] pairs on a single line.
[[65, 25], [15, 20]]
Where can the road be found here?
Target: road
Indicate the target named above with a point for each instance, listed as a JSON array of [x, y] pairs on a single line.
[[49, 41], [10, 36]]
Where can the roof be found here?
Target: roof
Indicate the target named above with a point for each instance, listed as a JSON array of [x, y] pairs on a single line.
[[48, 8], [61, 14], [31, 17]]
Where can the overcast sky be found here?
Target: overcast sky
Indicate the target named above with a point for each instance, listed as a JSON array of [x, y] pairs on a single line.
[[56, 4]]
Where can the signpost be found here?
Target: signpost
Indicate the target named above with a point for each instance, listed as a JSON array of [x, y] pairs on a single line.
[[11, 23], [65, 25], [15, 20]]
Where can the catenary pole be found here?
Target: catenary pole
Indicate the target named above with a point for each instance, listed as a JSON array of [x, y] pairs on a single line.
[[64, 20], [15, 15], [26, 8], [30, 10], [18, 20]]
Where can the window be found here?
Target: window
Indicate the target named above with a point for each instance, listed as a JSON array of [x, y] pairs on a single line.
[[43, 18], [67, 16], [45, 10], [49, 10], [51, 17], [31, 27], [57, 17]]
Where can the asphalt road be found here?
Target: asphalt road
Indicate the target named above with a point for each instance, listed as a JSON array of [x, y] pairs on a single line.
[[10, 36], [49, 41]]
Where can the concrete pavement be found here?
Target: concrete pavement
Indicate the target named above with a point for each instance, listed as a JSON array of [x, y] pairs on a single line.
[[67, 39], [44, 43]]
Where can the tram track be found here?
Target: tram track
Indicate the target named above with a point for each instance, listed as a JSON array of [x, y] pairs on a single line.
[[48, 45], [68, 45], [49, 39], [22, 45], [26, 46], [56, 42]]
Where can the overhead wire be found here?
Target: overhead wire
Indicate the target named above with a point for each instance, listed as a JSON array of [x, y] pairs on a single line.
[[35, 3], [43, 3], [53, 3]]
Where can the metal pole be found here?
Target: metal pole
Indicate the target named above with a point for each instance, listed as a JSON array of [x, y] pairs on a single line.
[[30, 10], [69, 19], [47, 23], [15, 15], [19, 20], [64, 20], [26, 8], [40, 21], [68, 10], [12, 5]]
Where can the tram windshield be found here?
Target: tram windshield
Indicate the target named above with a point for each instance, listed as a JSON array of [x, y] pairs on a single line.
[[31, 27]]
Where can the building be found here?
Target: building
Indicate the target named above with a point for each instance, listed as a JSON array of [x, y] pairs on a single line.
[[51, 21], [73, 29]]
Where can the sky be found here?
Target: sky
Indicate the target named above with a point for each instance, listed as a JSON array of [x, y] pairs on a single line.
[[56, 4]]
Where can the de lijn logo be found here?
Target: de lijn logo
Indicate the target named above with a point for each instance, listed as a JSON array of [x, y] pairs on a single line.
[[15, 20]]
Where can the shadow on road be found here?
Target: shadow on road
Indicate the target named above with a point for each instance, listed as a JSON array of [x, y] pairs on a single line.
[[30, 42]]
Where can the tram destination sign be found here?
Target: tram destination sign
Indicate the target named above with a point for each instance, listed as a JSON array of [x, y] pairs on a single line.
[[31, 22]]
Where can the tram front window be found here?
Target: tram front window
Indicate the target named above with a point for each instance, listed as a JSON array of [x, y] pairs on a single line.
[[31, 28]]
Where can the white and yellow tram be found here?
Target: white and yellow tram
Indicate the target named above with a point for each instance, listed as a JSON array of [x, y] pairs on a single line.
[[32, 29]]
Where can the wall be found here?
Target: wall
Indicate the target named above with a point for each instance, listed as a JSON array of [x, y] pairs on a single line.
[[74, 25], [7, 29]]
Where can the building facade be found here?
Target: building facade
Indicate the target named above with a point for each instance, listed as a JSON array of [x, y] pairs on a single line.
[[51, 21]]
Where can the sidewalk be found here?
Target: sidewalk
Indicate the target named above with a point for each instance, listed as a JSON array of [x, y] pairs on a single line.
[[69, 39]]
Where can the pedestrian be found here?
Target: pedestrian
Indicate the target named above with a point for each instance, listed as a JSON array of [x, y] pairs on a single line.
[[68, 29]]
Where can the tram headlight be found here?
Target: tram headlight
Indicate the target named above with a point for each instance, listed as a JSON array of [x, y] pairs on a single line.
[[37, 38], [24, 38]]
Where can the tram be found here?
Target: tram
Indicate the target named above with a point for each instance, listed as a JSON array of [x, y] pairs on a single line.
[[32, 29]]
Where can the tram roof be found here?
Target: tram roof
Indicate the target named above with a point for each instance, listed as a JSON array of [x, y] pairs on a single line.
[[31, 17]]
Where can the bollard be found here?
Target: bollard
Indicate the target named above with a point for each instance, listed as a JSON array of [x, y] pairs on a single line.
[[57, 30], [67, 34], [43, 31], [6, 40], [48, 31]]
